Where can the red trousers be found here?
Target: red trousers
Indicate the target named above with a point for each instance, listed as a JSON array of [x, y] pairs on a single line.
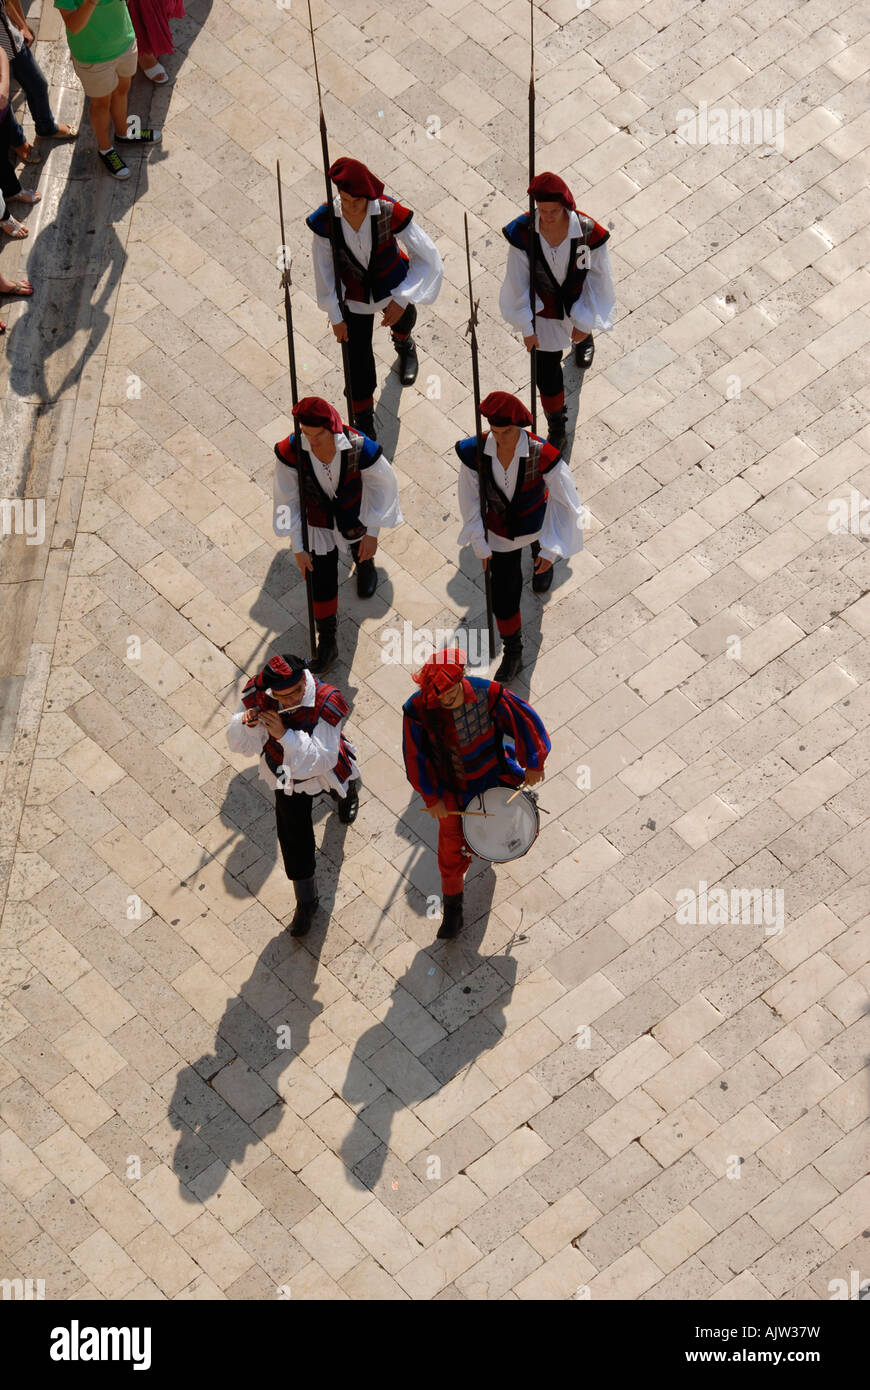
[[454, 856]]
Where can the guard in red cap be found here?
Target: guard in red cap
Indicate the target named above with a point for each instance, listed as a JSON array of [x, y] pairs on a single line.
[[350, 492], [377, 277], [574, 292], [530, 500], [462, 734], [294, 723]]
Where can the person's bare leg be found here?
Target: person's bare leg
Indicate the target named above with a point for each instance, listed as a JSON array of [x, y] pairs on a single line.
[[118, 101], [98, 113], [147, 60]]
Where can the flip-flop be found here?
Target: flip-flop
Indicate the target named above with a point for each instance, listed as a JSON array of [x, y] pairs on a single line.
[[23, 288], [27, 195], [71, 134], [158, 75], [32, 156], [18, 230]]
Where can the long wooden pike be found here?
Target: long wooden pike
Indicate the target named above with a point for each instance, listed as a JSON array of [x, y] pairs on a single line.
[[471, 333], [330, 217], [294, 393], [533, 357]]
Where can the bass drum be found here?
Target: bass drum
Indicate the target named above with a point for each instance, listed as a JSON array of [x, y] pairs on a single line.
[[507, 831]]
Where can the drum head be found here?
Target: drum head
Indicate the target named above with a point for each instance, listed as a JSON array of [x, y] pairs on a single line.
[[508, 832]]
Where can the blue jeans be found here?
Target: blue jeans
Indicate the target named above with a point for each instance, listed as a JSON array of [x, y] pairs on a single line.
[[30, 78]]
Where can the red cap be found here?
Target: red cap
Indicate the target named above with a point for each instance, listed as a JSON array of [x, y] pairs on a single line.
[[442, 670], [314, 411], [501, 409], [354, 178], [549, 188]]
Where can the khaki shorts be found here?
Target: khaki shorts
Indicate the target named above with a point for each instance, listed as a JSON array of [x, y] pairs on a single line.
[[101, 79]]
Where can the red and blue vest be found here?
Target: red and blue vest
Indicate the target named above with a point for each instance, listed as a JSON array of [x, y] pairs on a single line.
[[558, 299], [342, 510], [330, 706], [388, 264], [522, 514]]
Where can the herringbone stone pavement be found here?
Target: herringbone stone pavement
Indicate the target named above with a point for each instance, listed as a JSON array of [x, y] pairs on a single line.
[[583, 1095]]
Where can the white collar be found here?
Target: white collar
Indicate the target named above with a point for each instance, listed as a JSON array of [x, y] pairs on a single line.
[[308, 694], [521, 450], [574, 228], [372, 210], [341, 442]]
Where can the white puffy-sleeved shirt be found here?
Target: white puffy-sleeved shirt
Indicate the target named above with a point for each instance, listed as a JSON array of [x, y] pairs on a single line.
[[309, 758], [379, 505], [591, 312], [420, 285], [562, 532]]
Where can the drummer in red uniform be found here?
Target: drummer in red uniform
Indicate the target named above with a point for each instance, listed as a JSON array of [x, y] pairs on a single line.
[[461, 735]]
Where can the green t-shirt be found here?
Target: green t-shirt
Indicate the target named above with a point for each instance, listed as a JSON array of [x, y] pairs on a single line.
[[107, 34]]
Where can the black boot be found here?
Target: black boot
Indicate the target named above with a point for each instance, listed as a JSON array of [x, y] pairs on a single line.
[[542, 580], [327, 647], [349, 804], [512, 658], [365, 422], [408, 364], [584, 353], [306, 906], [557, 428], [366, 574], [451, 919]]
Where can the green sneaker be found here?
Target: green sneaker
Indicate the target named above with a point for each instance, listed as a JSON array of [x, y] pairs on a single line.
[[115, 164]]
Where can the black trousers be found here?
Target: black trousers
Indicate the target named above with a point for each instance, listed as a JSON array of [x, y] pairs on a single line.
[[363, 374], [507, 590], [296, 833], [324, 582], [9, 181], [550, 381]]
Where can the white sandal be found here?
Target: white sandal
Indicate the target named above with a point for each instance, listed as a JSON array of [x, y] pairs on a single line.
[[14, 229], [158, 74]]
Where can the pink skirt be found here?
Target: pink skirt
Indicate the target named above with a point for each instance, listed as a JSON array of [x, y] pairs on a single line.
[[151, 23]]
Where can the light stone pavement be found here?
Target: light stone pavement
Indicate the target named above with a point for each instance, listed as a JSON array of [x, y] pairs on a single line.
[[437, 1128]]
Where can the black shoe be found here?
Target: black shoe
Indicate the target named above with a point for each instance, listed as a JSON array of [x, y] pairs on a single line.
[[365, 423], [511, 661], [584, 353], [408, 364], [144, 137], [349, 805], [366, 578], [542, 580], [303, 917], [113, 162], [452, 920], [557, 429], [327, 648]]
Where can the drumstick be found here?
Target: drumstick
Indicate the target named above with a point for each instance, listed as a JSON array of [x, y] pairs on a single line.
[[515, 794]]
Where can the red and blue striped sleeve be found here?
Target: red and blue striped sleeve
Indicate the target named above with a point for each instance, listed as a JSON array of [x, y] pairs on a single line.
[[418, 768], [519, 722]]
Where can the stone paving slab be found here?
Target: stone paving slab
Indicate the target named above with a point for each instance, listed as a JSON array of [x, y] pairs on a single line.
[[597, 1091]]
